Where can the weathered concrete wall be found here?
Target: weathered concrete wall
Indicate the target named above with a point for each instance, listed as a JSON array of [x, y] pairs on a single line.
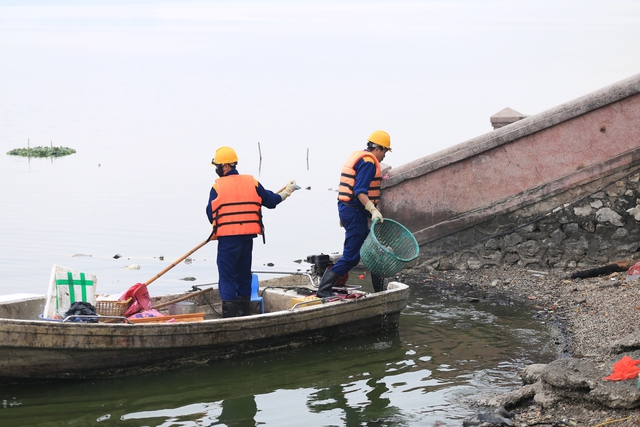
[[507, 196], [583, 226]]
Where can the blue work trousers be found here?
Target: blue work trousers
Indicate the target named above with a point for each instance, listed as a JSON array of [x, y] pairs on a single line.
[[356, 228], [234, 266]]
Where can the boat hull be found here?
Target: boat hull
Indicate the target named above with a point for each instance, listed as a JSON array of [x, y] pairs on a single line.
[[32, 349]]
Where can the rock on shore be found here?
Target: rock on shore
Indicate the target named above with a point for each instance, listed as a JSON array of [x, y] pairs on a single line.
[[597, 322]]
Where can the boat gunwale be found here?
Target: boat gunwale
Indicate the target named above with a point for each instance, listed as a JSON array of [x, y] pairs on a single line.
[[328, 314]]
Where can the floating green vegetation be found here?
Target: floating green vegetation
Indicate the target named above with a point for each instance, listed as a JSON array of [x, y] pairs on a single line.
[[42, 151]]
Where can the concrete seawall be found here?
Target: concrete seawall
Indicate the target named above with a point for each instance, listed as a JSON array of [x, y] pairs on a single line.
[[555, 189]]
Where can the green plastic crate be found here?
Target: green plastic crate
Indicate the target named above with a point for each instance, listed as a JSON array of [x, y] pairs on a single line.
[[388, 248]]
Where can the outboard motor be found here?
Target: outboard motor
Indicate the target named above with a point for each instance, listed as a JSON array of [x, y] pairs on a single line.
[[319, 263]]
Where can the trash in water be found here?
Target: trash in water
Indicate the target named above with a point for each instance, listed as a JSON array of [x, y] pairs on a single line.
[[103, 418]]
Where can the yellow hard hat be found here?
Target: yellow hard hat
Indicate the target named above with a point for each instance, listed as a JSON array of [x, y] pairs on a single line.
[[225, 155], [381, 138]]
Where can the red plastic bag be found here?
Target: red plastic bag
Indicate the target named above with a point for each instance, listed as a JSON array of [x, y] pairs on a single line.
[[140, 299], [624, 369]]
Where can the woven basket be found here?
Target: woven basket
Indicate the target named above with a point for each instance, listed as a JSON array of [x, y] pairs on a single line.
[[112, 308], [388, 247]]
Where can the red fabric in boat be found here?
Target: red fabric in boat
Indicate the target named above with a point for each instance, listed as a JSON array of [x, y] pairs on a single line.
[[342, 280], [147, 313], [140, 299]]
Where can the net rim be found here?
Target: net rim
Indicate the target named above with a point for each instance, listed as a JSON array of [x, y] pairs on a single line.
[[380, 246]]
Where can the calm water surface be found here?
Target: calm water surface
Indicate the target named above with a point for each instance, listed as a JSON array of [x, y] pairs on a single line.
[[149, 208], [444, 353]]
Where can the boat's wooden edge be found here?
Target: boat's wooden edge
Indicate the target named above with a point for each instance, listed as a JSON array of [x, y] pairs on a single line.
[[191, 317], [28, 307]]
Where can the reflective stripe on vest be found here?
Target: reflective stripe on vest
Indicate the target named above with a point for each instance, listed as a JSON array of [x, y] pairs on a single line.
[[236, 210], [348, 178]]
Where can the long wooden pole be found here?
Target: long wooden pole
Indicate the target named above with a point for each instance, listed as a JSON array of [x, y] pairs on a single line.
[[182, 298]]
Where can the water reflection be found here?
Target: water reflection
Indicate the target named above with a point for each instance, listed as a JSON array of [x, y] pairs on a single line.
[[236, 412], [444, 352], [240, 412], [358, 402]]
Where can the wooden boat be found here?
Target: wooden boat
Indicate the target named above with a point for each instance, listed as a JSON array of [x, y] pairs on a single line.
[[36, 349]]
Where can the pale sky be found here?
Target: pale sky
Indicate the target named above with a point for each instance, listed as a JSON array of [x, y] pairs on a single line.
[[320, 74]]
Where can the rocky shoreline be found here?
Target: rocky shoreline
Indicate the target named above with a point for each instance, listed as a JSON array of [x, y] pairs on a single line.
[[595, 322]]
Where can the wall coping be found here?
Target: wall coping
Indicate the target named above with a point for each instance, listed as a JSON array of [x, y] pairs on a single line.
[[527, 126]]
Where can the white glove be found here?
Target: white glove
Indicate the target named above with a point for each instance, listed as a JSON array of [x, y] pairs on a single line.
[[291, 186], [288, 189], [375, 213]]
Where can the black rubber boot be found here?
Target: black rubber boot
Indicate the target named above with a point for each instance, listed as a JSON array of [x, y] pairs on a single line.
[[329, 278], [377, 282], [244, 306], [229, 308]]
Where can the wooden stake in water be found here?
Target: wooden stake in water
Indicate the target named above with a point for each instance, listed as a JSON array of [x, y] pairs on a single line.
[[307, 159], [260, 164]]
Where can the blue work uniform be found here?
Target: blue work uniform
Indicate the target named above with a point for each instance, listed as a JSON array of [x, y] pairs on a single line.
[[235, 252], [355, 218]]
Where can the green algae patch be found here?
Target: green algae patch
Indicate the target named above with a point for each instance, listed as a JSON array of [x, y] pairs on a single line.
[[42, 151]]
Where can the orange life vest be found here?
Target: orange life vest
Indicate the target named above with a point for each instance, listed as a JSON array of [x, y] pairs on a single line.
[[236, 210], [348, 178]]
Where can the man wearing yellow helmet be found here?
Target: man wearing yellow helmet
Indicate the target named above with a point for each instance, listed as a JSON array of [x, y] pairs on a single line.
[[234, 211], [358, 196]]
